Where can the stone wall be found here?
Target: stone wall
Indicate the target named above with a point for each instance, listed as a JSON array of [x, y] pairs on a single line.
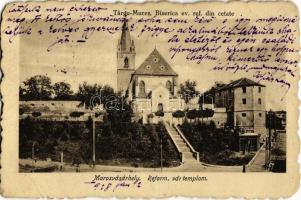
[[56, 110]]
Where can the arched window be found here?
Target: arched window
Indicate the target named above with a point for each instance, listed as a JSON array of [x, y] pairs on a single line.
[[169, 86], [141, 88], [160, 107], [259, 101], [126, 62]]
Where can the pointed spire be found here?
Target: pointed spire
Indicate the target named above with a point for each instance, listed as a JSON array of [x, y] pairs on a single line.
[[125, 41]]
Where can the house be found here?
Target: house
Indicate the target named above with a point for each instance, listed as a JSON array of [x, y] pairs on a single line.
[[249, 141], [244, 101], [153, 85]]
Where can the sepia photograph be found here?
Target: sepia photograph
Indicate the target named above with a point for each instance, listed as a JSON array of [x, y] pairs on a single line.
[[133, 111]]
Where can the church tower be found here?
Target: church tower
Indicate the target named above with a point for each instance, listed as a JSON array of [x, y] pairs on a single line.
[[125, 58]]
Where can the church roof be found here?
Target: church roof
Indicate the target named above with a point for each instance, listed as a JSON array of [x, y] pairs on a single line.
[[240, 83], [156, 65], [125, 40]]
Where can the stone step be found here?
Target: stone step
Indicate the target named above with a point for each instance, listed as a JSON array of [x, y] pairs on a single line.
[[184, 148], [189, 157], [182, 144], [187, 154], [180, 140]]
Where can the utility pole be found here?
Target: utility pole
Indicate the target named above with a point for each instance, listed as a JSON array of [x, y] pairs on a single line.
[[32, 155], [269, 137], [266, 151], [93, 132], [161, 154]]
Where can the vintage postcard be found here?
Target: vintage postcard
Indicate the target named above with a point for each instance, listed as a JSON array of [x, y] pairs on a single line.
[[150, 100]]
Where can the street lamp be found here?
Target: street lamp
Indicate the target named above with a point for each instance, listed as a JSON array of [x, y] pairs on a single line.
[[161, 149]]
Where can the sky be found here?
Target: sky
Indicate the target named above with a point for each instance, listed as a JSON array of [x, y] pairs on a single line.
[[95, 62]]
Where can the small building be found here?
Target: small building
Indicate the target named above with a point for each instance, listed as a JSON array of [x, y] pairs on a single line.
[[249, 142], [219, 117]]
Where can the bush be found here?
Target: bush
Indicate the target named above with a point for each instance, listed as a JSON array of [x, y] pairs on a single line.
[[76, 114], [159, 113], [192, 114], [178, 114], [205, 113], [213, 143], [134, 165], [209, 113], [36, 114], [200, 113], [150, 115]]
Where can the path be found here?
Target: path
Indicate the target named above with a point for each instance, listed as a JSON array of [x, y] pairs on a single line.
[[257, 165]]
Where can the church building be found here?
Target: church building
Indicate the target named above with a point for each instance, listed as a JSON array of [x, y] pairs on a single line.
[[153, 85]]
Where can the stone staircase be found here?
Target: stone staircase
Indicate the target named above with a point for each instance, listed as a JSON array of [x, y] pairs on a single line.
[[188, 154]]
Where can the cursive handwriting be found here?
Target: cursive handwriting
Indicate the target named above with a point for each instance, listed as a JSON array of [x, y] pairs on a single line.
[[114, 186], [263, 47]]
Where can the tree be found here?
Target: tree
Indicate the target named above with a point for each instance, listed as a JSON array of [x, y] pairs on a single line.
[[93, 95], [178, 114], [272, 121], [36, 88], [205, 113], [192, 114], [208, 113], [200, 114], [188, 90], [62, 91]]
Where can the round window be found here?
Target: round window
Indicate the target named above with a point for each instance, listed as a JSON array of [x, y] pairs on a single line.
[[148, 67], [162, 67], [155, 59]]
